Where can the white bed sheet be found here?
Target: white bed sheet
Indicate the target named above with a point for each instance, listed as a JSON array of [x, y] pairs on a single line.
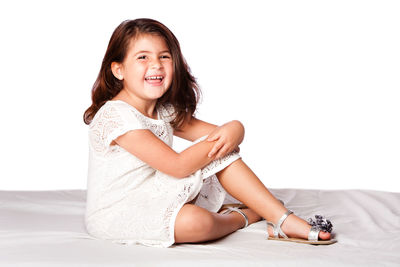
[[46, 228]]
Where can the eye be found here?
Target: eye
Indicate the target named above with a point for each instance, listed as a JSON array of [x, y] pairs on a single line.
[[142, 57], [165, 56]]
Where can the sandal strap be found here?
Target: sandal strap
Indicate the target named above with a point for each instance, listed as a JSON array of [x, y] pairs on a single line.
[[273, 228], [313, 234], [277, 229], [230, 209]]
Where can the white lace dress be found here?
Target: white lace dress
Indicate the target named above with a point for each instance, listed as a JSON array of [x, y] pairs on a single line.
[[127, 200]]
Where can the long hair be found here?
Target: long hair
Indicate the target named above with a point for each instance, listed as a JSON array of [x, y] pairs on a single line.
[[184, 91]]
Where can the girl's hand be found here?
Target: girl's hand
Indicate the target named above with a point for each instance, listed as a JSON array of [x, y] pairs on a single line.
[[228, 137]]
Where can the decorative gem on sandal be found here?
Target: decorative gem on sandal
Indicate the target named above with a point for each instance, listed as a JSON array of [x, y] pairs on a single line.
[[321, 223]]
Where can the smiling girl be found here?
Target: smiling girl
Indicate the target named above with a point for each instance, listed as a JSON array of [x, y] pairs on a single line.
[[139, 189]]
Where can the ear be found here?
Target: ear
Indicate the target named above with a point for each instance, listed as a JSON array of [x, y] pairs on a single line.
[[116, 69]]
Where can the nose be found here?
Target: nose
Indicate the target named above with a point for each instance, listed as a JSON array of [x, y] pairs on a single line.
[[156, 64]]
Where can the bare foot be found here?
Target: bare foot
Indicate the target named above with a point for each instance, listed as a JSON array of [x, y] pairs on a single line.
[[296, 227]]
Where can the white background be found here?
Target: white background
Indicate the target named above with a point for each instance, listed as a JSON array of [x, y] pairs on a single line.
[[316, 84]]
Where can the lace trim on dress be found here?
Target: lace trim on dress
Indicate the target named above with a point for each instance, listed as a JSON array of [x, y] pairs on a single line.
[[211, 195], [159, 130], [167, 112], [105, 123], [173, 209], [219, 164]]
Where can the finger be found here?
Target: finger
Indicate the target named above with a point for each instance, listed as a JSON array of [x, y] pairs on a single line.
[[215, 149], [222, 152]]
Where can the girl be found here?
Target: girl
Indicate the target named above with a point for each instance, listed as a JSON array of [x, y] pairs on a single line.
[[139, 189]]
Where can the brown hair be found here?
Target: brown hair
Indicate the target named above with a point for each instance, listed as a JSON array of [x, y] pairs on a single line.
[[183, 93]]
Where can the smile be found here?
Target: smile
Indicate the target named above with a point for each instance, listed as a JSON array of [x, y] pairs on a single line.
[[154, 78]]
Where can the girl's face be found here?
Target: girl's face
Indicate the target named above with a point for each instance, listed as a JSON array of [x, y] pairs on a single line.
[[147, 69]]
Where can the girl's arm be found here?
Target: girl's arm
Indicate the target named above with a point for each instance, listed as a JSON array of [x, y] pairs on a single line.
[[194, 129], [147, 147], [228, 136]]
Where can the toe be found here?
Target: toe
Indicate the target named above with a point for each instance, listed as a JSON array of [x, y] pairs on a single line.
[[324, 235]]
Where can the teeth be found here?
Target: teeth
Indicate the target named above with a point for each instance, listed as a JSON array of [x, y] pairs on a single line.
[[154, 78]]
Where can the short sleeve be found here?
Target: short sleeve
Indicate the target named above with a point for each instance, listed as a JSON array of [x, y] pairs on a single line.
[[167, 112], [110, 122]]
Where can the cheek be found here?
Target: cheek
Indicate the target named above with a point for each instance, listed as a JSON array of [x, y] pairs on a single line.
[[171, 70]]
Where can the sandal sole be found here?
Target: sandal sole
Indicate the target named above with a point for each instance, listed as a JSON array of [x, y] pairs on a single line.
[[303, 241]]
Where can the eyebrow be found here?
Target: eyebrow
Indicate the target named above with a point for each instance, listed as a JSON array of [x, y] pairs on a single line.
[[145, 51]]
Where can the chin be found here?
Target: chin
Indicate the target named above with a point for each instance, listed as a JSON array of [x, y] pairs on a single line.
[[156, 95]]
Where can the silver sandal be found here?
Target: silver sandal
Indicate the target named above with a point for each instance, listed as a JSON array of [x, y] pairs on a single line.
[[316, 227]]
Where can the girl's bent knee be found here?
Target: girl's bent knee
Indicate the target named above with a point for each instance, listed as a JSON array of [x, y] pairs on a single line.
[[194, 222], [203, 224]]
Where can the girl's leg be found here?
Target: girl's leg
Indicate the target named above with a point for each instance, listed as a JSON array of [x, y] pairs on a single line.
[[195, 224], [240, 181]]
